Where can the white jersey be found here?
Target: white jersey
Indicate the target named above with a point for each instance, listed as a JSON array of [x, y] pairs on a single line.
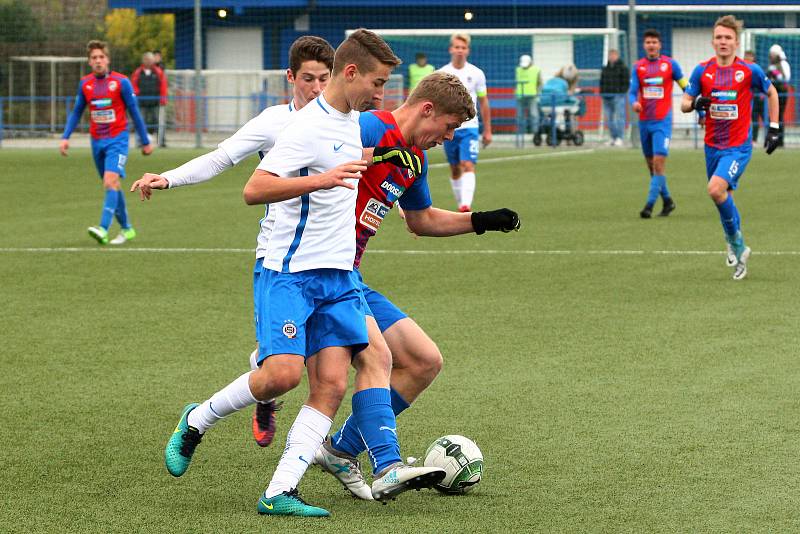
[[317, 230], [474, 80], [257, 136]]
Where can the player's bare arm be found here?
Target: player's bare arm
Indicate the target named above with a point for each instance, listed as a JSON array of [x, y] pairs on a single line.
[[435, 222], [63, 146], [264, 187], [483, 101]]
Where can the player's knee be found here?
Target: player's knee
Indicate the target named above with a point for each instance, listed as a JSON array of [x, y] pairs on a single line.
[[717, 191], [467, 166], [271, 381], [374, 360], [328, 389]]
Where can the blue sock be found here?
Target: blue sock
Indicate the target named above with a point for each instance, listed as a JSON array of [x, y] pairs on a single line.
[[348, 440], [655, 189], [109, 207], [399, 404], [122, 211], [372, 412], [662, 182], [728, 214]]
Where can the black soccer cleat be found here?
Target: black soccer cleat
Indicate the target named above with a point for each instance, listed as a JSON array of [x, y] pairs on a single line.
[[669, 207], [647, 212]]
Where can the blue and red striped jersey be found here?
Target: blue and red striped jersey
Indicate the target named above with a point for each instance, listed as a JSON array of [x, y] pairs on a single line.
[[731, 92]]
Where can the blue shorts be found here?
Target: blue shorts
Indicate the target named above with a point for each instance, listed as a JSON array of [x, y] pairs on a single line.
[[463, 147], [256, 293], [728, 163], [111, 154], [379, 307], [655, 136], [303, 313]]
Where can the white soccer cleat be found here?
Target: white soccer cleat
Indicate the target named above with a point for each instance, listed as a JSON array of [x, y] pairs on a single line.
[[741, 267], [345, 468], [730, 256], [400, 477], [119, 240]]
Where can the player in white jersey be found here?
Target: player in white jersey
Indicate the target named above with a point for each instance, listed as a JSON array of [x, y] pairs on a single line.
[[462, 151], [310, 65], [313, 306]]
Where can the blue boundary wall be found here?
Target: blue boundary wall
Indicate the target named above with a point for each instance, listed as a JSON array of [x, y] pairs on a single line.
[[330, 18]]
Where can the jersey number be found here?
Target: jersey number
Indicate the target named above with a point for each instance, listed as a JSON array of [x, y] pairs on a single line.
[[734, 168]]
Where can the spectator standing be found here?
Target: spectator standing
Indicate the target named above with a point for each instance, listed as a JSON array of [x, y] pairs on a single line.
[[418, 70], [528, 79], [150, 85], [614, 83], [780, 74]]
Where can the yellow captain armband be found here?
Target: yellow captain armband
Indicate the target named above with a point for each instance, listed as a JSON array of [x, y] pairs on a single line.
[[481, 94], [683, 82]]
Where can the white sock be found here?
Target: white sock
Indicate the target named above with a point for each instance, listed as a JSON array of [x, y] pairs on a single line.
[[304, 438], [224, 402], [456, 185], [467, 188], [253, 367]]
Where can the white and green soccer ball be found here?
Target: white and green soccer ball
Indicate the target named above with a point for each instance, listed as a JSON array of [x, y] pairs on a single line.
[[461, 460]]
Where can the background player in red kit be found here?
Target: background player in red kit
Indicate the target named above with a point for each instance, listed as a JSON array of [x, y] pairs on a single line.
[[109, 95], [723, 88]]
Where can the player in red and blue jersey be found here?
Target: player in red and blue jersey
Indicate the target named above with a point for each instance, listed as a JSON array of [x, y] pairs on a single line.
[[723, 88], [650, 96], [109, 95], [436, 107]]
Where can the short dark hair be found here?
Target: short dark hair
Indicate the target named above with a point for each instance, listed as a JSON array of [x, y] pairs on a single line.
[[651, 32], [421, 55], [94, 44], [310, 48], [364, 48]]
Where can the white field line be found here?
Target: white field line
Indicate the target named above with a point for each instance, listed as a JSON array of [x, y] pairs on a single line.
[[525, 156], [166, 250]]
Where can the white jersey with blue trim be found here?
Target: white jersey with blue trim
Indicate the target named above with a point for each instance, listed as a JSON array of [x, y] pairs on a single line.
[[474, 80], [259, 136], [317, 230]]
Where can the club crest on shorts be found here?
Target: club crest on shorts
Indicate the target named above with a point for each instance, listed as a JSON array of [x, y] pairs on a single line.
[[289, 329]]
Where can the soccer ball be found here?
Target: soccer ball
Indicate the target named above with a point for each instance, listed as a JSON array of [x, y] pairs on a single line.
[[461, 460]]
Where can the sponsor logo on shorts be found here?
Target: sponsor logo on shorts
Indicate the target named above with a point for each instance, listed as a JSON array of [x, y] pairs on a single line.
[[373, 214], [289, 329]]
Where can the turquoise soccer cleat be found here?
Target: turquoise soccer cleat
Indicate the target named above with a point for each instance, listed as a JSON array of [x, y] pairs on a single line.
[[181, 444], [289, 503]]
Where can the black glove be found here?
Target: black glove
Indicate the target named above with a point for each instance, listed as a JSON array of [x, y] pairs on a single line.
[[773, 139], [503, 220], [399, 156], [701, 102]]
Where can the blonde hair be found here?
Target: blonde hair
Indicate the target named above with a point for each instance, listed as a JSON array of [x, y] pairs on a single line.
[[730, 22], [364, 49], [447, 94], [461, 37]]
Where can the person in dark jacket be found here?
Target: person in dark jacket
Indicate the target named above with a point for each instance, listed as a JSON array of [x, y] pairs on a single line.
[[150, 85], [614, 80]]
